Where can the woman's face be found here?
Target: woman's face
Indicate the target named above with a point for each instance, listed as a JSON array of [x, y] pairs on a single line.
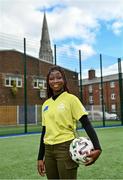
[[56, 81]]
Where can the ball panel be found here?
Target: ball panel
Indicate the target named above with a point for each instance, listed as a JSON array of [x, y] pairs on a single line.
[[79, 148]]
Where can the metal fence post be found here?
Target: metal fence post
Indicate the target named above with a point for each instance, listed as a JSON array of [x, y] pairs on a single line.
[[120, 89], [102, 93], [80, 68], [55, 54], [25, 87]]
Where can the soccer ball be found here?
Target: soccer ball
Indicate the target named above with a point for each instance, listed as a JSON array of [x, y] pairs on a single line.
[[79, 148]]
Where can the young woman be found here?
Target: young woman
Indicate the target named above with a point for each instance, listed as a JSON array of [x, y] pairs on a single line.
[[60, 112]]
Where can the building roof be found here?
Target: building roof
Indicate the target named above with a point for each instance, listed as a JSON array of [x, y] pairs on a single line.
[[20, 52], [34, 58], [107, 78]]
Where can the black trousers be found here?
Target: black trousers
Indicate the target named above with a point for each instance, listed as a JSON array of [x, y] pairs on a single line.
[[58, 162]]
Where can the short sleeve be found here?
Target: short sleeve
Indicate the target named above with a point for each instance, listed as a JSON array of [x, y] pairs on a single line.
[[77, 108]]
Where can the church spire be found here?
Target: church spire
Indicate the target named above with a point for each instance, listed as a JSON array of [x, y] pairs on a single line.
[[45, 51]]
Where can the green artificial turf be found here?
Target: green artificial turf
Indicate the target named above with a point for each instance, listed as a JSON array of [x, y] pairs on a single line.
[[20, 129], [18, 157]]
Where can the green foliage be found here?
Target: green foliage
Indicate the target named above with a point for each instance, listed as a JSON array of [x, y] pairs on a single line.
[[14, 89], [18, 157]]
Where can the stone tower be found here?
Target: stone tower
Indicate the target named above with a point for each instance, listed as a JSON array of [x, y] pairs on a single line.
[[45, 51]]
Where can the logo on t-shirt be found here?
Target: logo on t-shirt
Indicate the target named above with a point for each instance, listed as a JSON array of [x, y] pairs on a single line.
[[45, 108], [61, 106]]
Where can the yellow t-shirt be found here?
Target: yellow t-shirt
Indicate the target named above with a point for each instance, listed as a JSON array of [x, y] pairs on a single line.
[[59, 117]]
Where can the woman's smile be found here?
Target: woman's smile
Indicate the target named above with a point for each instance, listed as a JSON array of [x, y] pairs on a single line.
[[56, 81]]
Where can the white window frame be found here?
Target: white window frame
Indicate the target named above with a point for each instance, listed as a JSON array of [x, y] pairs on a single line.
[[112, 84], [113, 108], [100, 86], [90, 88], [113, 96], [100, 98], [12, 78], [42, 93], [91, 100], [39, 83]]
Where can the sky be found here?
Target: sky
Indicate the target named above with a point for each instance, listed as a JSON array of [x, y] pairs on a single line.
[[92, 26]]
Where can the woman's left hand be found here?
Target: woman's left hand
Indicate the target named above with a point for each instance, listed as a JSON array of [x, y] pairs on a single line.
[[93, 156]]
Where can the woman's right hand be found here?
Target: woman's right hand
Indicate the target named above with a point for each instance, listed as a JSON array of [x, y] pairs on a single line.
[[41, 167]]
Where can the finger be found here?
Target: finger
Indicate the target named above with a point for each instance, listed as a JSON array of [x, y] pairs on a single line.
[[89, 163], [90, 155], [40, 170]]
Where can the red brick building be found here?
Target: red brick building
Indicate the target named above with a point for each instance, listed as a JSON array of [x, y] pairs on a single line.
[[12, 70], [12, 81], [92, 91], [12, 87]]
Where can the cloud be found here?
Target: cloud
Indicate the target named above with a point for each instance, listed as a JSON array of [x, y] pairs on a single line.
[[117, 27], [86, 49], [109, 70], [67, 19], [73, 22], [71, 51]]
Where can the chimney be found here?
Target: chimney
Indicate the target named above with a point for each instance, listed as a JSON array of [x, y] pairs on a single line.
[[91, 74]]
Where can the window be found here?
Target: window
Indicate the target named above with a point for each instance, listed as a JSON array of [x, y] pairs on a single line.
[[100, 98], [91, 99], [90, 89], [9, 80], [100, 86], [42, 93], [112, 84], [39, 83], [19, 82], [113, 96], [113, 108]]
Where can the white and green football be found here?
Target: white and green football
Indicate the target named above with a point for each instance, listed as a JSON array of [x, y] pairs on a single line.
[[79, 148]]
